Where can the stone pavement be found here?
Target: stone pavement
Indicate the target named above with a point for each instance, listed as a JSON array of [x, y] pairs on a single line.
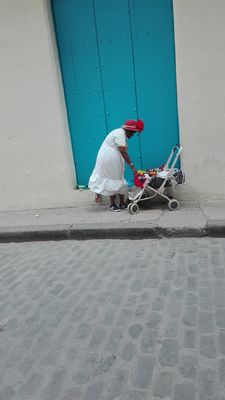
[[88, 220], [113, 320]]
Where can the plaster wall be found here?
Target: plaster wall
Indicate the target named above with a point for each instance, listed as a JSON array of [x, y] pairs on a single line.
[[36, 166], [200, 62]]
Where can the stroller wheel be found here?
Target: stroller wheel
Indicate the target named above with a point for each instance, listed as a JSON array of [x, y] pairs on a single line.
[[134, 208], [173, 205], [129, 206]]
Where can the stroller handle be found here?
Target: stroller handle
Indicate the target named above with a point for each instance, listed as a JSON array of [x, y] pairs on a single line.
[[173, 157], [177, 147]]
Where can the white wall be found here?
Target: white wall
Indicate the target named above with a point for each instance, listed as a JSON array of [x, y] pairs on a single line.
[[36, 166], [200, 60]]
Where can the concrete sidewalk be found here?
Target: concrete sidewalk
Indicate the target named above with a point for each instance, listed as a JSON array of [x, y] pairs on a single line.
[[87, 220]]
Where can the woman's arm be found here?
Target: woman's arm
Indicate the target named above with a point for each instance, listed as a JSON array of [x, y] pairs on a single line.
[[125, 155]]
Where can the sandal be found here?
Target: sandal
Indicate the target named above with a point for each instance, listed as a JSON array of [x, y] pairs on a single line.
[[97, 198]]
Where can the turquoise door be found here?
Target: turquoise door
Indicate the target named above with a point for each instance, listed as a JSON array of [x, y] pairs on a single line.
[[117, 60]]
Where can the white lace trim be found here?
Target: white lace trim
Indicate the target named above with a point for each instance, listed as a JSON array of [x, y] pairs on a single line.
[[106, 186]]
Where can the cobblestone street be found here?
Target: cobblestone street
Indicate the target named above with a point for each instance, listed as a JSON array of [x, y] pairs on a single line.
[[113, 320]]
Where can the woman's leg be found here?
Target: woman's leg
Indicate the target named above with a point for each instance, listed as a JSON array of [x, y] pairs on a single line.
[[121, 196], [122, 202], [113, 206], [112, 200]]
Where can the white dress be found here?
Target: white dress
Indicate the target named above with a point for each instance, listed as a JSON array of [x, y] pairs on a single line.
[[107, 177]]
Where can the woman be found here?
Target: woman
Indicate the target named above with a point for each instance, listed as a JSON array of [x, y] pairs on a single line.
[[107, 177]]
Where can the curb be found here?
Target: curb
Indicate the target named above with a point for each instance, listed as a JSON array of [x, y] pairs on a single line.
[[90, 232], [216, 228], [213, 228]]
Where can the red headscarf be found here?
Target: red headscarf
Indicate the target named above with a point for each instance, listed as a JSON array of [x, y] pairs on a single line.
[[132, 125]]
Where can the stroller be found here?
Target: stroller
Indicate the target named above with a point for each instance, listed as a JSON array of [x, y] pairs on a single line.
[[155, 182]]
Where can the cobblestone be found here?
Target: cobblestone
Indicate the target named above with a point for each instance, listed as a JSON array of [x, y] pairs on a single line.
[[184, 391], [163, 385], [222, 342], [113, 320], [128, 351], [143, 370], [206, 322], [188, 366], [207, 346], [222, 372], [169, 353], [208, 384]]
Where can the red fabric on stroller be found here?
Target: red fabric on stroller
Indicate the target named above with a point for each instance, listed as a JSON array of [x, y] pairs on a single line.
[[139, 180]]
